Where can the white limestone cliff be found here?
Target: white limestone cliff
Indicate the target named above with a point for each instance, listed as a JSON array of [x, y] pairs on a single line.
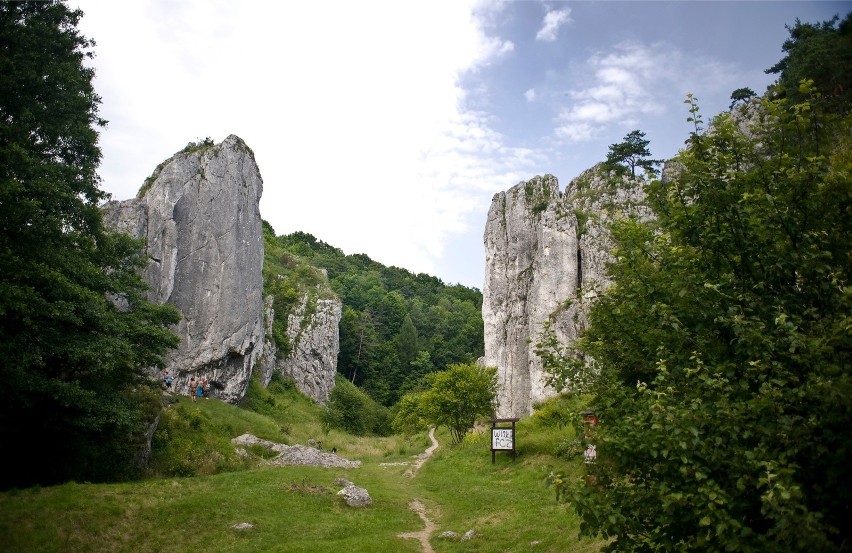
[[546, 255], [199, 216], [313, 334]]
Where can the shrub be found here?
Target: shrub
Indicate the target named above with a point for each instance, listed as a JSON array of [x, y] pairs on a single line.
[[352, 410]]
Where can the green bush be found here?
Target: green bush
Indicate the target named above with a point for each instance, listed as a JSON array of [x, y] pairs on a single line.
[[569, 448], [352, 410], [556, 412], [188, 442]]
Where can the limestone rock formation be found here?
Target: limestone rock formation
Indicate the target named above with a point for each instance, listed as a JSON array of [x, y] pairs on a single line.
[[200, 219], [313, 334], [546, 253], [355, 496], [289, 455]]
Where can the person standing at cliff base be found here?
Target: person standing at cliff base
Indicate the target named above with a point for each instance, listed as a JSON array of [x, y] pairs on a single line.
[[192, 387]]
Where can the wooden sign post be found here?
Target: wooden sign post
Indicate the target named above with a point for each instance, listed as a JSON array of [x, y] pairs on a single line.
[[502, 437]]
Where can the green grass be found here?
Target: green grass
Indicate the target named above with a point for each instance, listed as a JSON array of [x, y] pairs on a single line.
[[508, 504]]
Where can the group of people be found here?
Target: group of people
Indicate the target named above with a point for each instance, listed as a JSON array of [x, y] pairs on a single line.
[[196, 389]]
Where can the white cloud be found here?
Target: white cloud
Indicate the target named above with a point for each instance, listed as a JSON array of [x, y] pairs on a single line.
[[574, 131], [553, 20], [631, 81], [530, 95], [354, 110], [506, 47]]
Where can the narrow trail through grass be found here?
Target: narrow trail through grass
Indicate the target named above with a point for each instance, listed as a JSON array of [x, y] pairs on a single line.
[[415, 505], [423, 535], [423, 457]]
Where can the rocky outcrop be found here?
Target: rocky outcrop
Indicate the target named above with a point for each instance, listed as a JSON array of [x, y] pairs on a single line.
[[199, 216], [546, 254], [353, 495], [290, 455], [314, 338]]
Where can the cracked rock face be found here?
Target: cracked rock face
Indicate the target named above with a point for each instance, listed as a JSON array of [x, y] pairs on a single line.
[[546, 254], [201, 222], [313, 332]]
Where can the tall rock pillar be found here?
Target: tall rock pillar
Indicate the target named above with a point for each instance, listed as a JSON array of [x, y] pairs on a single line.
[[199, 215], [546, 257], [530, 269]]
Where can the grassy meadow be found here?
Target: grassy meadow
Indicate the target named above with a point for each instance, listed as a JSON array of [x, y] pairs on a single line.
[[199, 489]]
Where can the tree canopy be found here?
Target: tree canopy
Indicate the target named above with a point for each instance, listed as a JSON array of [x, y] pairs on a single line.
[[76, 332], [631, 153], [741, 95], [454, 398], [396, 326], [722, 348], [821, 52]]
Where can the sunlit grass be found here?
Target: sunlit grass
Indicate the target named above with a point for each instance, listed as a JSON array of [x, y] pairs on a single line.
[[508, 504]]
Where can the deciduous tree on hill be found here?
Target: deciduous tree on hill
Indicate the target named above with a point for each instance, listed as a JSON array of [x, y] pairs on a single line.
[[76, 332], [723, 347]]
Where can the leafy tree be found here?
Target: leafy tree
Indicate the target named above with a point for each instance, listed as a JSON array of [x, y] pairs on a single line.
[[741, 95], [453, 398], [408, 418], [821, 52], [76, 332], [358, 341], [406, 342], [632, 153], [723, 348], [418, 368]]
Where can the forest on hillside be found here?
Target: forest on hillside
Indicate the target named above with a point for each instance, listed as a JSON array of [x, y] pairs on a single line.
[[396, 327]]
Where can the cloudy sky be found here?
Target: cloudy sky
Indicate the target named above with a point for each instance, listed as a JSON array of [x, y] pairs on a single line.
[[386, 127]]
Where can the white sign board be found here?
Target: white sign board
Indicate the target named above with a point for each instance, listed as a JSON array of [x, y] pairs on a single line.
[[503, 439], [591, 453]]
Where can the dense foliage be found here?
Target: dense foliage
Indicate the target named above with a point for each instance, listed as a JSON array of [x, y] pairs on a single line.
[[453, 398], [821, 52], [723, 346], [353, 411], [76, 333], [396, 326]]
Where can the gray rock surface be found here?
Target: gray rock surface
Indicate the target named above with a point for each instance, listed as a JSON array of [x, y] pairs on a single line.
[[355, 496], [313, 331], [530, 269], [201, 222], [296, 454], [546, 255]]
